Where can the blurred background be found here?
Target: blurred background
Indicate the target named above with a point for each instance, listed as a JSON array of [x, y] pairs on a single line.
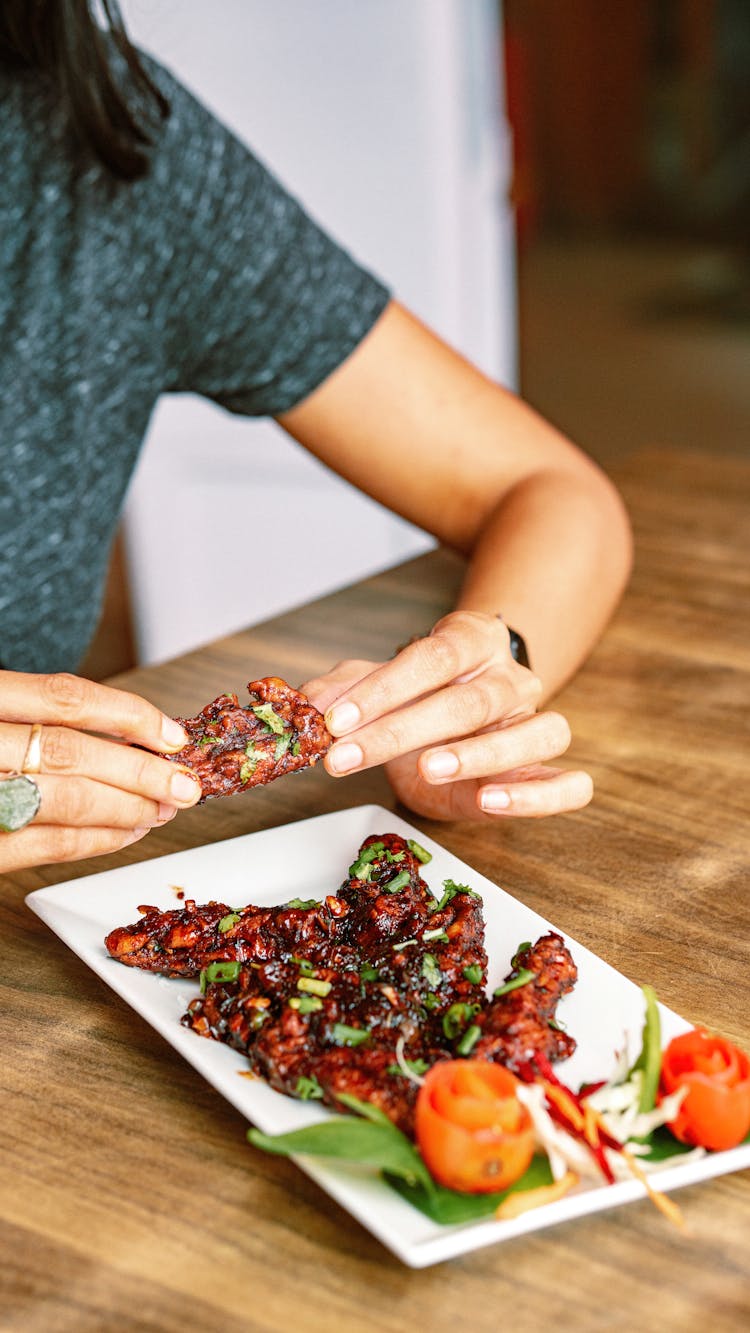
[[560, 187]]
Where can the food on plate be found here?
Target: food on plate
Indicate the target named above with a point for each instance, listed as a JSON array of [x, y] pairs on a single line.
[[715, 1078], [473, 1132], [232, 747], [359, 993]]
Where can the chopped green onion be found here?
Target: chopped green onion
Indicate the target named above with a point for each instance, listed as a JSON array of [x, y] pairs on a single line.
[[473, 973], [456, 1018], [400, 881], [469, 1040], [430, 1001], [266, 714], [296, 749], [221, 971], [435, 935], [208, 740], [305, 1004], [430, 971], [368, 973], [402, 944], [227, 922], [314, 986], [419, 851], [308, 1089], [302, 904], [519, 951], [346, 1036], [649, 1060], [417, 1067], [515, 983]]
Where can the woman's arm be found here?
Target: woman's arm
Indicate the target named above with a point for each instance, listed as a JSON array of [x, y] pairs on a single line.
[[411, 423]]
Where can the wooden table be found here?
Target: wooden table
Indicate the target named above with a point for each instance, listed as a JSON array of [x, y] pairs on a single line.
[[129, 1197]]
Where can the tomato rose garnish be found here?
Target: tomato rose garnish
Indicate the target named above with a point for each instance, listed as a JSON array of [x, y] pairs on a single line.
[[473, 1133], [716, 1111]]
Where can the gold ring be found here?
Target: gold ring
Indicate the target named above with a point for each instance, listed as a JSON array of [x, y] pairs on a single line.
[[32, 760]]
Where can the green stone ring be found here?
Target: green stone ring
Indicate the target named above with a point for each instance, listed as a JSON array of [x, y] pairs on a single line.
[[20, 799]]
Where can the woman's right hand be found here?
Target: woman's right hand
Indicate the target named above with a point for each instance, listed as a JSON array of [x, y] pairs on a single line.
[[97, 794]]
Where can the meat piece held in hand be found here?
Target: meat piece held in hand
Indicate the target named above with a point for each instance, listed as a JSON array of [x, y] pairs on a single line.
[[233, 747]]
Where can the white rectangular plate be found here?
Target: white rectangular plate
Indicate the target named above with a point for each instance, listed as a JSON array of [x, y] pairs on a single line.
[[308, 860]]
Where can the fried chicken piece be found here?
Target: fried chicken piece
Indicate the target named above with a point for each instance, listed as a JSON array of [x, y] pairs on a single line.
[[331, 998], [518, 1025], [175, 943], [184, 941], [232, 748]]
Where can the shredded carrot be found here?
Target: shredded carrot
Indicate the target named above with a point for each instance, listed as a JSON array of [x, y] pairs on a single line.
[[523, 1200], [665, 1205], [565, 1103]]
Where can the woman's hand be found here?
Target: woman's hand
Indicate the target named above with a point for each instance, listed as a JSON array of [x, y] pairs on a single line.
[[453, 717], [96, 795]]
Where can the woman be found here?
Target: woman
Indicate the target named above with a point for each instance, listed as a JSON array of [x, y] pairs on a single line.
[[144, 250]]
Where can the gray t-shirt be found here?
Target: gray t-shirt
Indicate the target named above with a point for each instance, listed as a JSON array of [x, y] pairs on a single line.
[[203, 276]]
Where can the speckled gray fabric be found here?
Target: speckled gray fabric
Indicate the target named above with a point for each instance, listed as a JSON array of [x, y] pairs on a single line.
[[204, 276]]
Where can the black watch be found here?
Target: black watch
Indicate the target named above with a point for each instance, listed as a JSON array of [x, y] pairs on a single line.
[[518, 650]]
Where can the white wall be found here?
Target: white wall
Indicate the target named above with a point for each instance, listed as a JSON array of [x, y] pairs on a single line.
[[384, 116]]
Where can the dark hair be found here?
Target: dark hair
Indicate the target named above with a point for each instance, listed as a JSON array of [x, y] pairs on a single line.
[[65, 40]]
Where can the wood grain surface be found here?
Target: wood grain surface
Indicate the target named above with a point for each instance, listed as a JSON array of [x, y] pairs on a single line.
[[129, 1199]]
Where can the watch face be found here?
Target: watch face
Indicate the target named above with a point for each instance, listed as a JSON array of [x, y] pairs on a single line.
[[518, 648]]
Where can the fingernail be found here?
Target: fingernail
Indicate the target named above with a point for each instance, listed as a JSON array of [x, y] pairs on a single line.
[[135, 834], [343, 758], [184, 788], [343, 717], [172, 734], [493, 799], [165, 813], [441, 765]]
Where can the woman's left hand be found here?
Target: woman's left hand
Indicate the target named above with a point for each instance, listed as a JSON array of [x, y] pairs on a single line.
[[453, 718]]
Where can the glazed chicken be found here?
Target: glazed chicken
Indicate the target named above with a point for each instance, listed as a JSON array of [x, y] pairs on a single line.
[[357, 993], [232, 747]]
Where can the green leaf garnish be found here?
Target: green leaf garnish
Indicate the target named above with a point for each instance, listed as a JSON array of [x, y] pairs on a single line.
[[364, 859], [522, 979], [270, 719], [369, 1141], [450, 1208], [308, 1089], [450, 890], [431, 971], [302, 904], [282, 745]]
